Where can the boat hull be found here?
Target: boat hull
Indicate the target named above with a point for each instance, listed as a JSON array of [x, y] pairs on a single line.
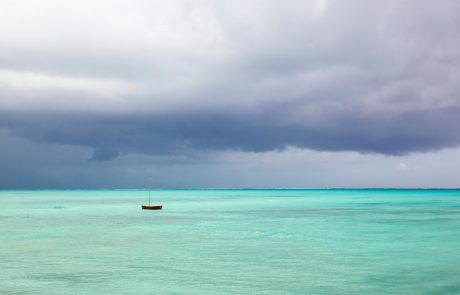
[[152, 207]]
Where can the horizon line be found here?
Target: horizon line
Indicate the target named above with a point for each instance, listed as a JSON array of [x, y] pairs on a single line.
[[242, 188]]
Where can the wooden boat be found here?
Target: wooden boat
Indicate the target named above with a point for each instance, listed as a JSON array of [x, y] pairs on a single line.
[[151, 207]]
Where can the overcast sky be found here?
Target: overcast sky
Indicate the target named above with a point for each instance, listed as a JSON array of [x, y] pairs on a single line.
[[299, 93]]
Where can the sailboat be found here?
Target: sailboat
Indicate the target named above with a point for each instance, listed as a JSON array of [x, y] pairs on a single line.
[[151, 207]]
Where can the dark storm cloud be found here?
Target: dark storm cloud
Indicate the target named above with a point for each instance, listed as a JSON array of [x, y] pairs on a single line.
[[174, 77], [182, 133]]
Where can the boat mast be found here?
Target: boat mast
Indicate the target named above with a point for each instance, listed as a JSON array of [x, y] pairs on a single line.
[[150, 181]]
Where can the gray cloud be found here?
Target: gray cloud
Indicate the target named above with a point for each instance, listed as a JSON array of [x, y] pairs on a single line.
[[183, 133], [182, 78]]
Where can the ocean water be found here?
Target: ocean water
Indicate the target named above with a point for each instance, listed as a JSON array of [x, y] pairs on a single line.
[[230, 242]]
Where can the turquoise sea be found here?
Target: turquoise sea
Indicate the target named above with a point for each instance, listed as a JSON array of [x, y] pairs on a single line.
[[230, 242]]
